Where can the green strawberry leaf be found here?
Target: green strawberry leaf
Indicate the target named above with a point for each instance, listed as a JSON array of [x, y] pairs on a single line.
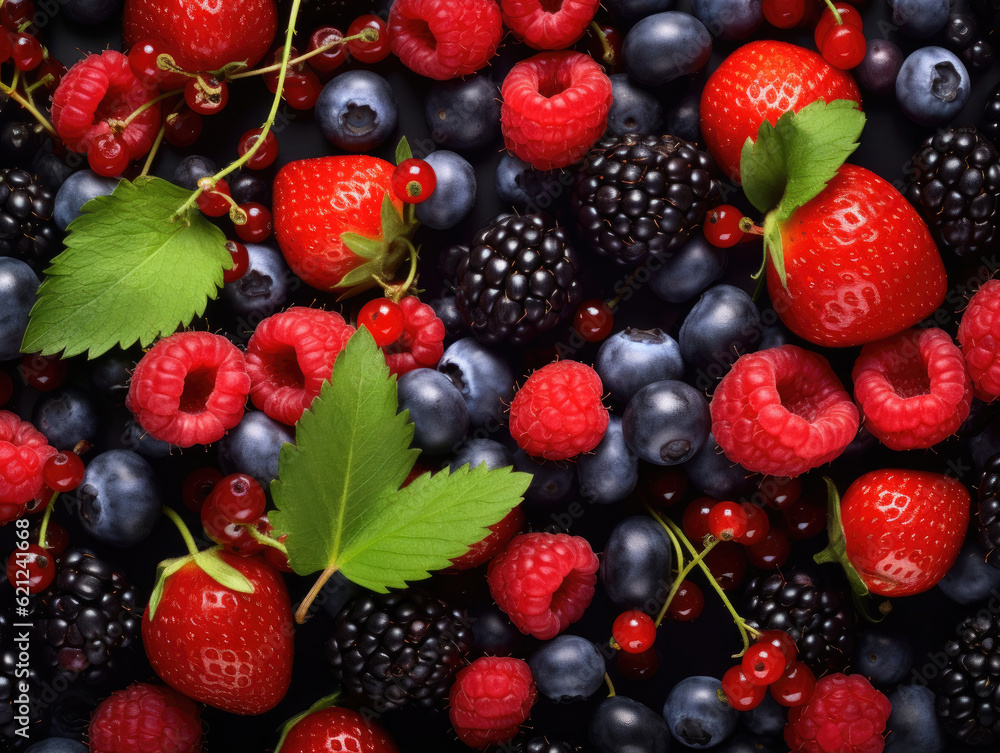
[[772, 245], [131, 271], [323, 703], [762, 168], [382, 256], [208, 560], [403, 151]]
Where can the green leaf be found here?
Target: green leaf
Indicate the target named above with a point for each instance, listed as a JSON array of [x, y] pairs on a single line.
[[392, 221], [762, 169], [323, 703], [403, 151], [773, 247], [131, 271], [208, 560], [366, 248]]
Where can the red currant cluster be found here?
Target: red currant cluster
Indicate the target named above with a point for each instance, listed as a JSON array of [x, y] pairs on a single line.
[[772, 663], [838, 33], [28, 54]]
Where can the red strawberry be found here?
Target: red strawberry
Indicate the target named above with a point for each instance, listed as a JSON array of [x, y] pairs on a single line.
[[316, 201], [218, 645], [897, 531], [333, 728], [761, 81]]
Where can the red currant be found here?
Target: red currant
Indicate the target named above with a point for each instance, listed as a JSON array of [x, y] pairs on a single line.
[[217, 201], [265, 155], [6, 387], [634, 631], [259, 224], [763, 663], [727, 521], [413, 181], [722, 226], [772, 551], [384, 319], [44, 373], [636, 667], [795, 686], [661, 485], [56, 537], [108, 155], [182, 128], [758, 524], [6, 47], [594, 320], [206, 95], [333, 58], [238, 498], [63, 472], [741, 694], [687, 603], [695, 519], [368, 52], [198, 486], [16, 13], [849, 16], [142, 59], [26, 51], [54, 69], [781, 641], [784, 14], [844, 47], [271, 78], [805, 519], [32, 568], [241, 262], [302, 91], [780, 492], [728, 564]]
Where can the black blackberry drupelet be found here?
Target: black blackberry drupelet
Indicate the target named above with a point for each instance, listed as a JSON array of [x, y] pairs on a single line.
[[821, 620], [968, 688], [987, 518], [955, 185], [532, 742], [518, 279], [963, 36], [637, 196], [27, 231], [991, 116], [390, 650]]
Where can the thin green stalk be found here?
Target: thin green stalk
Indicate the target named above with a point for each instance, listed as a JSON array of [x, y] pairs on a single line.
[[146, 105], [182, 527], [30, 107], [611, 686], [364, 35], [681, 575], [266, 540], [836, 13], [44, 529]]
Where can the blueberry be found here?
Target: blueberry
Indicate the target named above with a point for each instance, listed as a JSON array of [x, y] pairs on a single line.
[[630, 11], [695, 714], [482, 376], [729, 19], [632, 358], [18, 288], [715, 475], [633, 109], [666, 422], [66, 417], [774, 337], [767, 719], [191, 169], [247, 187], [609, 473], [455, 194], [52, 171], [91, 12], [253, 447], [666, 46], [57, 745], [877, 72], [884, 658], [689, 270], [552, 481], [437, 409], [920, 18], [492, 632], [111, 373], [336, 593], [635, 566], [264, 288], [621, 725], [567, 668], [119, 498], [476, 452], [684, 116], [978, 419], [743, 743], [932, 86], [723, 325], [913, 724], [356, 111], [446, 309], [77, 190], [138, 440], [464, 113], [519, 184], [971, 579]]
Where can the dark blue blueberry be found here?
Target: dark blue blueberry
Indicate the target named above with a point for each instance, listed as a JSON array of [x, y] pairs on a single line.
[[621, 725], [630, 11], [247, 187], [884, 658], [91, 12], [446, 309], [723, 325], [714, 474], [437, 409], [774, 337], [52, 171], [633, 109], [978, 419], [666, 422], [635, 566], [77, 190], [476, 452], [689, 270], [684, 116], [920, 18], [971, 579], [111, 374], [464, 113], [455, 194], [567, 668], [191, 169], [253, 447], [913, 724], [877, 72], [729, 19], [119, 499], [696, 716], [932, 86], [611, 471], [552, 481], [18, 288], [767, 719], [264, 288], [138, 440], [519, 184], [492, 633], [863, 443], [71, 713], [483, 377], [66, 417], [357, 111], [57, 745], [632, 358], [743, 743], [666, 46]]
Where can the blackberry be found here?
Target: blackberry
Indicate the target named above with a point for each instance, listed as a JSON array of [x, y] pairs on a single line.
[[991, 116], [531, 742], [85, 618], [638, 196], [968, 688], [518, 279], [27, 231], [955, 185], [821, 620], [390, 650], [963, 37], [987, 519]]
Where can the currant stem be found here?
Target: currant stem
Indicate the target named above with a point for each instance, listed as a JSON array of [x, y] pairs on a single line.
[[29, 106], [48, 78], [681, 574], [265, 540], [145, 106], [609, 54], [364, 36], [302, 613], [611, 686], [153, 150], [182, 527], [44, 529], [836, 13]]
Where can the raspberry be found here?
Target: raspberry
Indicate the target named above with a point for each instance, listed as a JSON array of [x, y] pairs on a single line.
[[422, 342], [100, 89], [441, 39], [782, 411], [23, 452], [844, 715], [558, 412], [913, 389], [544, 581], [145, 719], [979, 336], [290, 355], [490, 700], [542, 27], [189, 388], [555, 106]]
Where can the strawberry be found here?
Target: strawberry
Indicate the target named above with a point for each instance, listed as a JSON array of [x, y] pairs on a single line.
[[338, 222], [218, 629], [759, 82], [897, 532], [327, 728]]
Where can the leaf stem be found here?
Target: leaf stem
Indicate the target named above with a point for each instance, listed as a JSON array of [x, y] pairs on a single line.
[[182, 527], [44, 529], [265, 540], [364, 36], [302, 613]]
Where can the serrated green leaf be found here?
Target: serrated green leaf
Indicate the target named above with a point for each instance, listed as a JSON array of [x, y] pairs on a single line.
[[403, 151], [131, 272], [323, 703], [762, 169]]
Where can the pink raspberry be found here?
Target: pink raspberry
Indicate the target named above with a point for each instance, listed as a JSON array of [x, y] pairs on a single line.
[[547, 25], [422, 343], [544, 581], [189, 388], [290, 355], [23, 452], [782, 411], [979, 336], [145, 719], [845, 714], [442, 39], [490, 700], [555, 106], [913, 388], [559, 412]]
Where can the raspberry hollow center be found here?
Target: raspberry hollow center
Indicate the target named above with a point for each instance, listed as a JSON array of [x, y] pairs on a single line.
[[798, 401], [418, 28], [553, 85], [198, 385], [551, 6], [284, 368], [909, 378]]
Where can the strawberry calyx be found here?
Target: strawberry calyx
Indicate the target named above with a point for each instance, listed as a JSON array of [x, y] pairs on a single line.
[[323, 703]]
